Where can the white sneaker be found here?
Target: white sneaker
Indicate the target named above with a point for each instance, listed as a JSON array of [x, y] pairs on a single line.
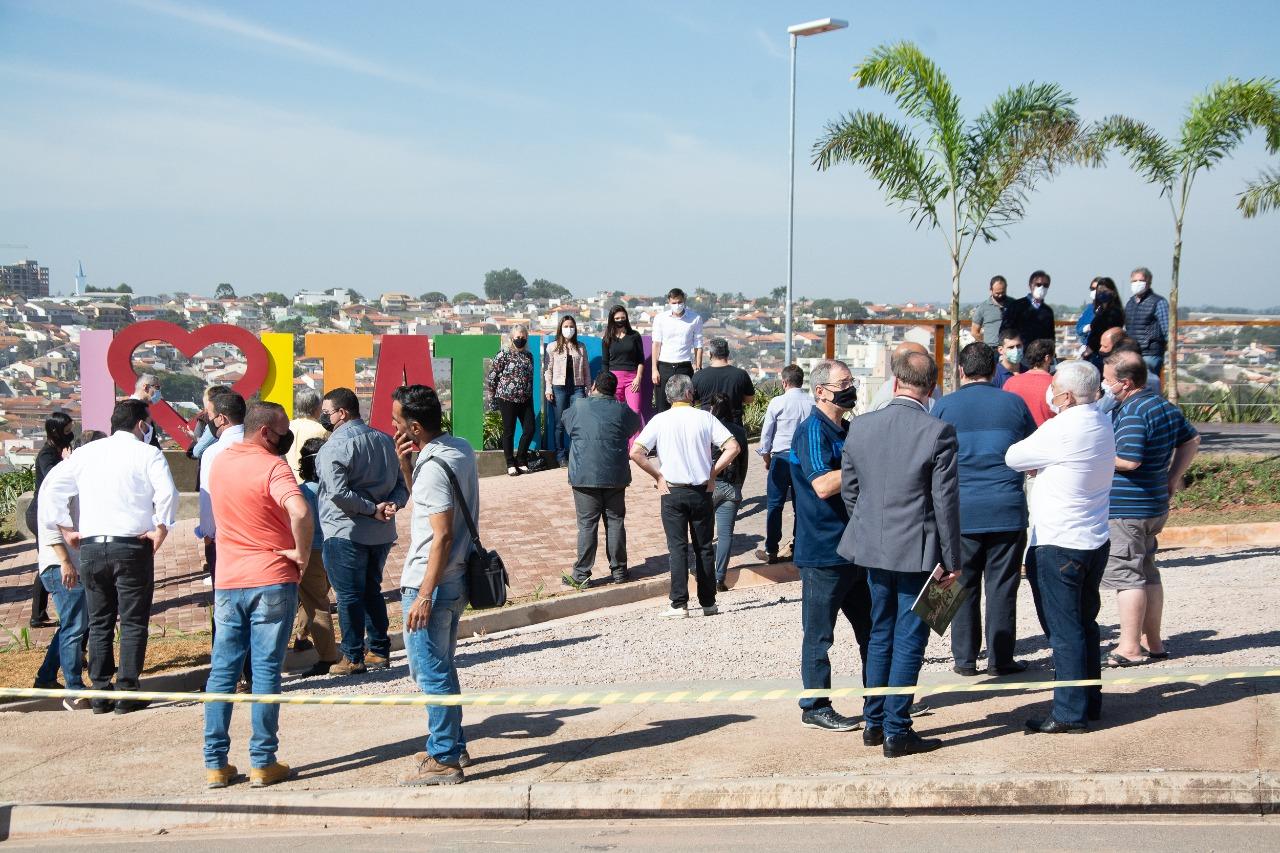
[[513, 471], [523, 469], [673, 612], [710, 611], [77, 704], [208, 581]]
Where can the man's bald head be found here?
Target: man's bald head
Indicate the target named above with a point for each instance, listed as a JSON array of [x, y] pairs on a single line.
[[1110, 338], [909, 347]]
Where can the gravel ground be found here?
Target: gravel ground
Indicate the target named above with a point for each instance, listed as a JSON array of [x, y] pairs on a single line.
[[1219, 612]]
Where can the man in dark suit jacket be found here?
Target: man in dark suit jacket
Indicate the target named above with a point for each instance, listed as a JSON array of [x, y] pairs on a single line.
[[900, 486]]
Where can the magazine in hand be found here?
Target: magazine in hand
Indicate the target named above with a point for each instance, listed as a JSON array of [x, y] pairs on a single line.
[[938, 606]]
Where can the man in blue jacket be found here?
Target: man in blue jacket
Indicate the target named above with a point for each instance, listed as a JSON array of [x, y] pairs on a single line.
[[993, 511]]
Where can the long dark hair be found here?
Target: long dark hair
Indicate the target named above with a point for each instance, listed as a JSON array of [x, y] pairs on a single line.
[[611, 328], [55, 429], [561, 340], [1112, 305], [307, 460], [719, 405]]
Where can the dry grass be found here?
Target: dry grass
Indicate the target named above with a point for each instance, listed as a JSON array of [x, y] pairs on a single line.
[[18, 668], [1258, 514]]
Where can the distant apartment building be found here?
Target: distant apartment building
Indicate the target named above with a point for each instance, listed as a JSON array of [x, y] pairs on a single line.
[[340, 295], [27, 279], [108, 315]]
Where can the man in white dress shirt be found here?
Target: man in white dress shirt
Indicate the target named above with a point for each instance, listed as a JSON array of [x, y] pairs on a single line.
[[227, 419], [677, 345], [127, 501], [685, 477], [1075, 453]]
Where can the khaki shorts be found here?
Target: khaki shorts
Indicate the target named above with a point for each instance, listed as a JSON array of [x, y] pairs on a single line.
[[1132, 563]]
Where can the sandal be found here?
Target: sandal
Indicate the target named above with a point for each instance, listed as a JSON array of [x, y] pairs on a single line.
[[1118, 661], [1164, 655]]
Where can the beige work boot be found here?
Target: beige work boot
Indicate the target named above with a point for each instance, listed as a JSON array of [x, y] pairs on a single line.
[[219, 777], [348, 667], [261, 777], [372, 661], [428, 771]]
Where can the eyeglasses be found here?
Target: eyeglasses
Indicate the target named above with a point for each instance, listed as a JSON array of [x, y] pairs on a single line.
[[839, 386]]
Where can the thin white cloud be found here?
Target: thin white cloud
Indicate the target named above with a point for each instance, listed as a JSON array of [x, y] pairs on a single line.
[[770, 47], [220, 22]]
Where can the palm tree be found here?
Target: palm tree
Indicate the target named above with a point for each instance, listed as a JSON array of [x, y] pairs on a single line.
[[1261, 195], [1217, 121], [968, 182]]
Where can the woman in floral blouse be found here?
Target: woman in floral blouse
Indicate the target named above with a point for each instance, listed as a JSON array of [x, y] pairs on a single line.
[[510, 386]]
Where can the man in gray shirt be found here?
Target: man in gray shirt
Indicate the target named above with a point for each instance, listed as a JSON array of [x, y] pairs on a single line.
[[988, 315], [433, 588], [361, 487]]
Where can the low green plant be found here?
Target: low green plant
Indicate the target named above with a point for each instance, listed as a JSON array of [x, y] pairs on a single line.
[[13, 485], [1236, 405], [753, 413]]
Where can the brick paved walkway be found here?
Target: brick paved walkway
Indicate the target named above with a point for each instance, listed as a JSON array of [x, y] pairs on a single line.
[[530, 520]]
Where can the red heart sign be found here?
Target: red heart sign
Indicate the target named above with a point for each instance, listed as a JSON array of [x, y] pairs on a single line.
[[120, 363]]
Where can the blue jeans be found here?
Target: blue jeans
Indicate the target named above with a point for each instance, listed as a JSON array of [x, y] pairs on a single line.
[[1068, 582], [896, 648], [825, 593], [565, 396], [431, 664], [778, 490], [355, 572], [256, 621], [725, 500], [1154, 363], [65, 647]]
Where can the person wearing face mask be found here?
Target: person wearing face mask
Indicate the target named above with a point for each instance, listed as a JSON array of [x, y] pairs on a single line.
[[993, 512], [830, 585], [1107, 315], [205, 435], [988, 315], [1011, 357], [676, 345], [1147, 320], [510, 385], [899, 486], [566, 375], [1031, 317], [1154, 447], [58, 438], [1074, 453], [147, 390], [1085, 322], [624, 357], [126, 501], [265, 537], [314, 624], [1033, 385]]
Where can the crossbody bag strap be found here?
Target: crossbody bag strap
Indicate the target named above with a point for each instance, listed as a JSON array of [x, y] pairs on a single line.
[[457, 492]]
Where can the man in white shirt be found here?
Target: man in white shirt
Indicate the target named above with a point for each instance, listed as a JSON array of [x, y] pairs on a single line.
[[226, 418], [1075, 454], [127, 501], [677, 345], [784, 414], [684, 437]]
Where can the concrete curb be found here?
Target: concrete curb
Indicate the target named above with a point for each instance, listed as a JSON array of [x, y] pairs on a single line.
[[1165, 793], [476, 624]]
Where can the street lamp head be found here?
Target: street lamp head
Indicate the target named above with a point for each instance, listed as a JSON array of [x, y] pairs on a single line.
[[813, 28]]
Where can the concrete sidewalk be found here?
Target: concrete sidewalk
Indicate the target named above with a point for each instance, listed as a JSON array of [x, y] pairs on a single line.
[[1167, 748]]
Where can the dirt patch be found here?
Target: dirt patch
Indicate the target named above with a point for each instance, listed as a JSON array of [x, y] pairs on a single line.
[[1255, 514], [18, 667]]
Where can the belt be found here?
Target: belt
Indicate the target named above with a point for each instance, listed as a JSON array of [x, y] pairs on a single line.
[[104, 540], [675, 363], [686, 485]]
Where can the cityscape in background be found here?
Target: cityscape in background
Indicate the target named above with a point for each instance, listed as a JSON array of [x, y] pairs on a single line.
[[40, 335]]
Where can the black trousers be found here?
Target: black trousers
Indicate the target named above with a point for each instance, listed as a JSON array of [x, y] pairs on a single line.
[[666, 370], [119, 582], [992, 563], [40, 600], [687, 516], [591, 505], [511, 414]]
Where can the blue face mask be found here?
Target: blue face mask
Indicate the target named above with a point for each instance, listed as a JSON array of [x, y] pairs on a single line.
[[1108, 400]]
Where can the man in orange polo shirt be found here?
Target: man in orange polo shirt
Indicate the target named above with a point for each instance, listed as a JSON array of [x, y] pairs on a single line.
[[264, 537]]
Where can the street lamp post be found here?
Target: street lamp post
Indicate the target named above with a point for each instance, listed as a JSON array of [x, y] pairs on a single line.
[[812, 28]]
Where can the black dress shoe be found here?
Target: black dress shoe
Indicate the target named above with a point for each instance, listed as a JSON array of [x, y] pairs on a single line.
[[1050, 726], [721, 586], [919, 709], [103, 706], [873, 736], [909, 744], [43, 622], [966, 671], [1011, 668], [128, 706], [622, 577]]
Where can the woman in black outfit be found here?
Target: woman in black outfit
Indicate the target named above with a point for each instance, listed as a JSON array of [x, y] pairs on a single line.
[[624, 357], [58, 438], [1108, 313]]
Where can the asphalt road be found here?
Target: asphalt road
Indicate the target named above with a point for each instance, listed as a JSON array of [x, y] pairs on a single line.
[[1237, 834]]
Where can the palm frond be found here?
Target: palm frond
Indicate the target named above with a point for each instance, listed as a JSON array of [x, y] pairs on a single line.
[[921, 91], [1025, 135], [1219, 119], [1261, 195], [894, 159], [1149, 153]]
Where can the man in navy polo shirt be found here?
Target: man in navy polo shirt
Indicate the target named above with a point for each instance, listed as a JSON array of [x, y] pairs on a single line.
[[830, 584], [1154, 447], [993, 511]]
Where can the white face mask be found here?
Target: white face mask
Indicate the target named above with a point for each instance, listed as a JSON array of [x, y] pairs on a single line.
[[1038, 292], [1138, 287], [1092, 293], [1048, 399], [568, 331], [677, 308], [1108, 400], [146, 436]]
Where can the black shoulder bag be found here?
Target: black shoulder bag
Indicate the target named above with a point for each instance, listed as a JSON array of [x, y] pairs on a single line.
[[486, 574]]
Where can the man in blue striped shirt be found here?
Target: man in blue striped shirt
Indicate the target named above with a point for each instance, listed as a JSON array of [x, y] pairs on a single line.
[[784, 414], [1154, 447]]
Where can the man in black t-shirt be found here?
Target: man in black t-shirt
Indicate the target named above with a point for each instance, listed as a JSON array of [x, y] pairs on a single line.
[[722, 377]]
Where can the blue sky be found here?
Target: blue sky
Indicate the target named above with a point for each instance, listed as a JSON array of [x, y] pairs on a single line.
[[414, 145]]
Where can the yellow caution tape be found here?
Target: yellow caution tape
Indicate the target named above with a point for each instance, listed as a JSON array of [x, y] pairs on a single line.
[[614, 697]]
